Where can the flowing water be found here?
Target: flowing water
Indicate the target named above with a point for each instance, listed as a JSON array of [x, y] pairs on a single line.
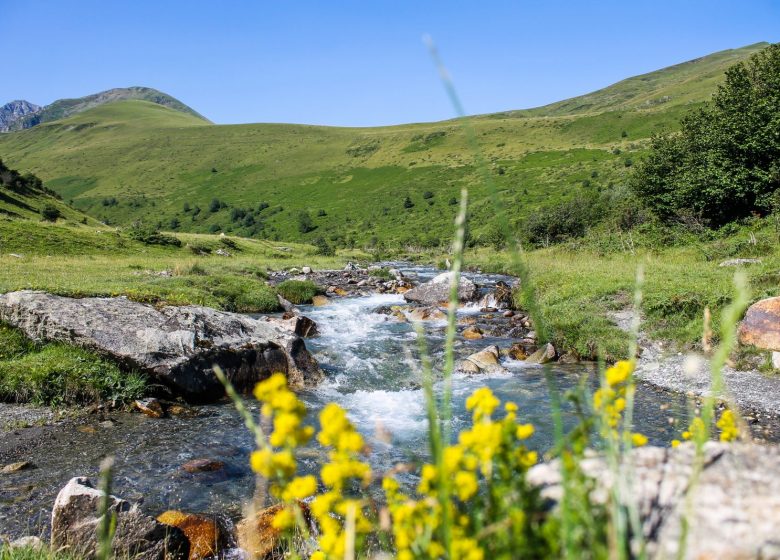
[[372, 369]]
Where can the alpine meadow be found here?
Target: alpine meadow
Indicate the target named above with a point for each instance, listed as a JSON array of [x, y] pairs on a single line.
[[542, 333]]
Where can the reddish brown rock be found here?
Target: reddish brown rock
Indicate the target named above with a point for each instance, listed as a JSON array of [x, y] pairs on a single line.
[[472, 333], [204, 533], [761, 325], [258, 537], [151, 407], [203, 465]]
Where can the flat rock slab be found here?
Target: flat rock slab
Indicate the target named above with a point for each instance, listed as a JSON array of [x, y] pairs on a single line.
[[733, 510], [177, 346], [761, 326]]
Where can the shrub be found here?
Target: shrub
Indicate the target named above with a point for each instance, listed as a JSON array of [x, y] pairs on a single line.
[[298, 291], [427, 195], [408, 203], [229, 243], [305, 224], [50, 213], [723, 165], [215, 205], [152, 236], [323, 247], [554, 224]]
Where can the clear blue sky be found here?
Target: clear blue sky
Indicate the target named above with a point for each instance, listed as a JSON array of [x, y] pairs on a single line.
[[357, 62]]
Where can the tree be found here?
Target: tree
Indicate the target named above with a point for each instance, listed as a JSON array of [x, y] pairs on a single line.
[[427, 195], [725, 162], [174, 223], [215, 205], [186, 207], [323, 248], [408, 203], [305, 224], [50, 213]]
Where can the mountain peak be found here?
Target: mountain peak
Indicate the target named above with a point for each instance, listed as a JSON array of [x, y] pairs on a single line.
[[18, 115], [15, 110]]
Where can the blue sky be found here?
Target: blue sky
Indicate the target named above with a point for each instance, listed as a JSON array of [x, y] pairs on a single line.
[[357, 63]]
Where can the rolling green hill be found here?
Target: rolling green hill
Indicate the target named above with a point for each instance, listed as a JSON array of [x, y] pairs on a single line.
[[135, 160], [63, 108]]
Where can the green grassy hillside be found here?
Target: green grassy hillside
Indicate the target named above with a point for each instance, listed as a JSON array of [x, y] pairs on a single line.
[[135, 160]]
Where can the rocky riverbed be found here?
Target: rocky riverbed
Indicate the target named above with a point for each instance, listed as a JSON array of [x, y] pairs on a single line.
[[370, 365]]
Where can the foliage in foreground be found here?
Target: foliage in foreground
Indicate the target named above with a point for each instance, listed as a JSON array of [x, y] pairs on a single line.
[[298, 291], [58, 374]]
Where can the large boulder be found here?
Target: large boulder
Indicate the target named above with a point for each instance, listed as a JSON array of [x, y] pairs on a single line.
[[732, 511], [437, 290], [499, 298], [178, 346], [75, 520], [761, 326], [484, 361]]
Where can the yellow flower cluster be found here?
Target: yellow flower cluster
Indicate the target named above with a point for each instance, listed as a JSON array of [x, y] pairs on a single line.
[[276, 460], [485, 452], [697, 431], [332, 509], [728, 426], [610, 400]]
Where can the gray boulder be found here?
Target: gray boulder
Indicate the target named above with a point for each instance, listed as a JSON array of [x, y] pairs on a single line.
[[732, 511], [75, 520], [543, 355], [177, 346], [437, 290]]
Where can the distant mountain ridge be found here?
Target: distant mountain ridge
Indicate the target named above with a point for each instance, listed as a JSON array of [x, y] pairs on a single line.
[[19, 115], [14, 111]]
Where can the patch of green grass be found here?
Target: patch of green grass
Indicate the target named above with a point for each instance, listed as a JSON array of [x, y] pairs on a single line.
[[383, 273], [298, 291], [32, 553], [59, 374]]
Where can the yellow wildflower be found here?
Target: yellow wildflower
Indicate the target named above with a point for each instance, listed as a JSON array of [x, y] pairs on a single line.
[[618, 373], [284, 519], [728, 426], [299, 488], [465, 484], [482, 402], [524, 431], [638, 440]]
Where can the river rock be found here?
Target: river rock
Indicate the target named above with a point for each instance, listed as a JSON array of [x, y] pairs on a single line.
[[297, 324], [306, 270], [258, 537], [207, 535], [177, 346], [484, 361], [16, 467], [517, 352], [437, 290], [202, 465], [426, 314], [472, 333], [543, 355], [74, 524], [499, 298], [30, 542], [733, 511], [150, 407]]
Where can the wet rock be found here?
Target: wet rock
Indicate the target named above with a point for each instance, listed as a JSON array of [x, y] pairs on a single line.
[[569, 358], [484, 361], [517, 352], [207, 535], [285, 304], [258, 537], [203, 465], [543, 355], [16, 467], [437, 290], [499, 298], [177, 346], [176, 409], [300, 325], [426, 314], [151, 407], [341, 291], [319, 301], [472, 333], [732, 512], [508, 313], [74, 524]]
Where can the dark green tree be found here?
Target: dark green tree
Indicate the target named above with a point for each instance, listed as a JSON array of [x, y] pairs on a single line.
[[725, 162]]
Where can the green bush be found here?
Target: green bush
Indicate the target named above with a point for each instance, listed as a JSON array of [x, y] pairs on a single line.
[[152, 236], [383, 273], [298, 291], [723, 165], [50, 213]]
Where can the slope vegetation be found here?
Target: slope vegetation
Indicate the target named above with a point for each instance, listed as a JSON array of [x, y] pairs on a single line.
[[135, 160]]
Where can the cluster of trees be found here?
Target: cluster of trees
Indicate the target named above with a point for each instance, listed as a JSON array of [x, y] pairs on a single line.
[[722, 166]]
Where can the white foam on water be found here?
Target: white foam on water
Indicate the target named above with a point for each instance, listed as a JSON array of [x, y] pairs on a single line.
[[350, 321]]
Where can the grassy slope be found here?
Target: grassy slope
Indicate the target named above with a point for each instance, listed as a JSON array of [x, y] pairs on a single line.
[[152, 160]]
